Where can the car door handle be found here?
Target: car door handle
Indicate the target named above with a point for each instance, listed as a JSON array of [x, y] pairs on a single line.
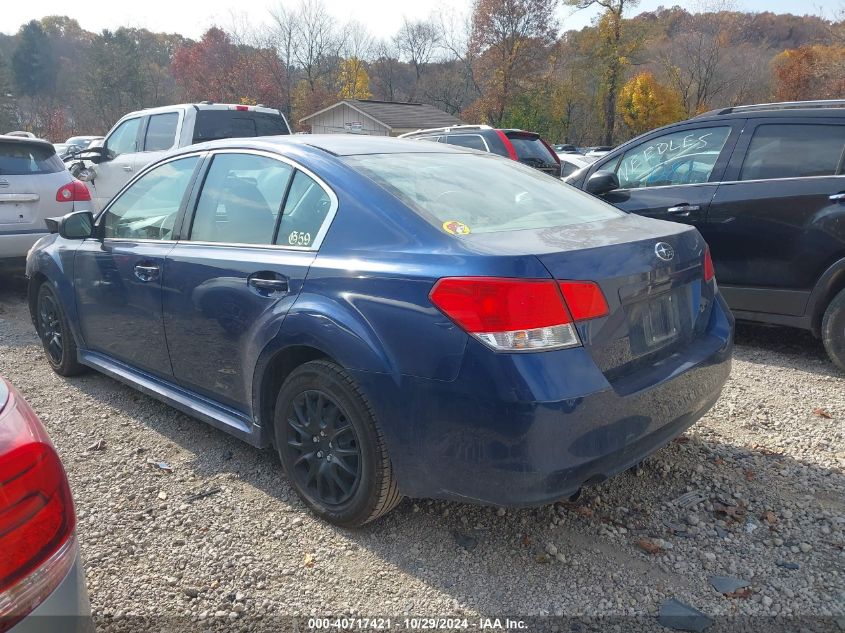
[[146, 273], [269, 285], [838, 197], [127, 168], [682, 210]]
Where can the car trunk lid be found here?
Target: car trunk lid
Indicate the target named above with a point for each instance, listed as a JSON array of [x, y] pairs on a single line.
[[651, 274]]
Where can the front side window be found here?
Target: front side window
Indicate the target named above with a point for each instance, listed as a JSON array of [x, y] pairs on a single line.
[[482, 192], [681, 158], [161, 132], [306, 209], [472, 141], [780, 150], [124, 140], [240, 199], [149, 207]]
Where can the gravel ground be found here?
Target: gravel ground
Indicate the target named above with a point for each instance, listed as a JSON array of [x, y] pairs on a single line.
[[762, 474]]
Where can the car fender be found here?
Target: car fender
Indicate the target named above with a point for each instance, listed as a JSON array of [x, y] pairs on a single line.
[[52, 257], [830, 281], [332, 329]]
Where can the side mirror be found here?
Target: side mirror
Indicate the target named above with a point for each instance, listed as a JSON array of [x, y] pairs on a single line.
[[77, 225], [602, 182], [96, 154]]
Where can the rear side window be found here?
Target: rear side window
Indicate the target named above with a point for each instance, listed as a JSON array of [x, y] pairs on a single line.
[[161, 132], [306, 209], [480, 193], [148, 208], [793, 151], [19, 159], [684, 157], [472, 141], [240, 199], [214, 124]]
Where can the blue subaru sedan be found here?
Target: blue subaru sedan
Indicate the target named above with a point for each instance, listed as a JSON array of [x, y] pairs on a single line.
[[396, 318]]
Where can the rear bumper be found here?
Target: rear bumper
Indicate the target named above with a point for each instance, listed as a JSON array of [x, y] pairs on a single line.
[[16, 245], [533, 428], [66, 609]]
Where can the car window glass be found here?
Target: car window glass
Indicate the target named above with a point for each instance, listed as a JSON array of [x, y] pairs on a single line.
[[214, 124], [161, 132], [793, 151], [472, 141], [681, 158], [147, 209], [240, 199], [444, 190], [21, 158], [124, 139], [306, 208]]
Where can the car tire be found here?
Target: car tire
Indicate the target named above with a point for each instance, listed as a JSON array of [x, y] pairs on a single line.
[[331, 446], [54, 332], [833, 330]]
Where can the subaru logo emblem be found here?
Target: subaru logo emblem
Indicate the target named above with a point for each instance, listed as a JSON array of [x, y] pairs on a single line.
[[664, 251], [4, 183]]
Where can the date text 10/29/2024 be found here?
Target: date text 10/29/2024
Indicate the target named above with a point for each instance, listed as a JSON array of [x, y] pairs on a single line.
[[416, 624]]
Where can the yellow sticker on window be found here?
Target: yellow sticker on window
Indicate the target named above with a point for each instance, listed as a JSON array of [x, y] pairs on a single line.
[[453, 227]]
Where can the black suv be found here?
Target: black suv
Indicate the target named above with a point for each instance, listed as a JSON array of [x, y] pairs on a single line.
[[519, 145], [765, 185]]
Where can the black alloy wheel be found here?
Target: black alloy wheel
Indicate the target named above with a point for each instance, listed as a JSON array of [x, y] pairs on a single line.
[[323, 448], [54, 333], [332, 447]]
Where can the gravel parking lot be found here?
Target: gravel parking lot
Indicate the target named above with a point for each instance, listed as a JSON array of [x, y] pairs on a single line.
[[754, 491]]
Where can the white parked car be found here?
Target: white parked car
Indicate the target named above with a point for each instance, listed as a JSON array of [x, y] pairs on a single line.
[[142, 137], [34, 185], [570, 163]]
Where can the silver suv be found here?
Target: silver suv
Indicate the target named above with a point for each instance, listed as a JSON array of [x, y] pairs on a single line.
[[34, 185]]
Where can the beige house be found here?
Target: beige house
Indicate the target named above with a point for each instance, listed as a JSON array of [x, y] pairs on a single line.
[[377, 118]]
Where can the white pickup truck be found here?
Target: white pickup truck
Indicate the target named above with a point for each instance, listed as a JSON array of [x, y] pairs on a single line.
[[141, 137]]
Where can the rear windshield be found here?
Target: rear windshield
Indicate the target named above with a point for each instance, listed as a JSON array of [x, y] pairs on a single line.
[[532, 151], [481, 193], [20, 159], [214, 124]]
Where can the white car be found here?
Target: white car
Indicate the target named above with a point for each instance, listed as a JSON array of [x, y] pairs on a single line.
[[571, 162], [34, 185], [142, 137]]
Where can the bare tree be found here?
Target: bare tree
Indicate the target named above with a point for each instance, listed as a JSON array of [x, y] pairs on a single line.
[[417, 41], [316, 41], [281, 36]]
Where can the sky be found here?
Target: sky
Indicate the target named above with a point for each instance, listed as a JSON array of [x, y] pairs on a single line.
[[382, 17]]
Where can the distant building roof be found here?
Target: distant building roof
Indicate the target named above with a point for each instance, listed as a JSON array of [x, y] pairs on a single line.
[[396, 115]]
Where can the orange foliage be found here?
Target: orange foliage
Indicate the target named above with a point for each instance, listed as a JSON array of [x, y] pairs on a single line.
[[218, 70], [809, 72]]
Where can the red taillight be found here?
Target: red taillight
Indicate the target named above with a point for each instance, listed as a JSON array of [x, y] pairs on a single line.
[[242, 108], [37, 519], [709, 271], [508, 145], [74, 191], [585, 299], [515, 314]]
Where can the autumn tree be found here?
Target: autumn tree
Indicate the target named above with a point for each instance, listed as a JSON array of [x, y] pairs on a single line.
[[216, 69], [613, 54], [810, 72], [511, 40], [645, 104], [353, 80]]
